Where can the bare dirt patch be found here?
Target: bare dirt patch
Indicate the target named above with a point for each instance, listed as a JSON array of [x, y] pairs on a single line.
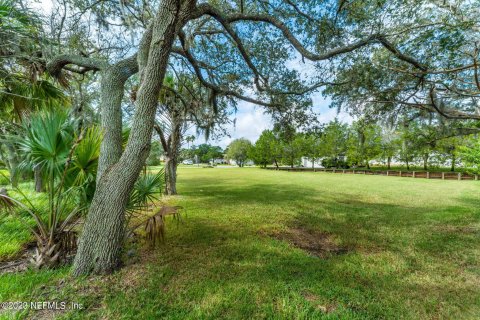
[[19, 263], [318, 243]]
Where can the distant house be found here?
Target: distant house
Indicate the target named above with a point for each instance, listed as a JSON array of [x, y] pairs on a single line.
[[307, 163], [247, 162], [219, 161]]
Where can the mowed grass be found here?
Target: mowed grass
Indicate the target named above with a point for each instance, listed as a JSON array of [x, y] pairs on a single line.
[[411, 252], [14, 230]]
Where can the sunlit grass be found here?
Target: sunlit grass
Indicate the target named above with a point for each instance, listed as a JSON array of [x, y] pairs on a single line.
[[14, 229], [413, 252]]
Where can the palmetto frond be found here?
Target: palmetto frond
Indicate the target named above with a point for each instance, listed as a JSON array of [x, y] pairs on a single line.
[[47, 141], [147, 189], [23, 96], [82, 171]]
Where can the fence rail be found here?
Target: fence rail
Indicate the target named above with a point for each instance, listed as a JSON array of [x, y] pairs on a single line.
[[391, 173]]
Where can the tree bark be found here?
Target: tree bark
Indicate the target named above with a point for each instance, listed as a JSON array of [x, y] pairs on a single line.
[[389, 160], [425, 161], [452, 167], [101, 242], [12, 164], [112, 92], [170, 176], [37, 172]]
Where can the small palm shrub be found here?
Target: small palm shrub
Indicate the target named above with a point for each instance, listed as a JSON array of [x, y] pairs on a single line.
[[148, 189], [82, 171], [67, 163], [142, 213]]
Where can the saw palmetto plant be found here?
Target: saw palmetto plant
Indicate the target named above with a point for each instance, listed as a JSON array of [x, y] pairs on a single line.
[[48, 142], [142, 212], [53, 230]]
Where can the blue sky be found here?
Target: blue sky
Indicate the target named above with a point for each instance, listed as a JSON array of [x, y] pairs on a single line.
[[251, 121]]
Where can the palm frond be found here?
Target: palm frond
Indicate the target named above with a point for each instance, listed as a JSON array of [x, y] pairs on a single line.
[[148, 188], [155, 225]]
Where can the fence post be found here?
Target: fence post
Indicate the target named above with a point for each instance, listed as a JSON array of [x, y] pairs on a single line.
[[353, 171], [443, 175], [387, 173], [333, 171], [413, 174], [399, 173], [459, 176], [428, 174], [476, 177], [343, 171]]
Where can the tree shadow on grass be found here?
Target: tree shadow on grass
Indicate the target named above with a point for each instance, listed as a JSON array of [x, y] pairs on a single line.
[[354, 223], [263, 193], [400, 229], [213, 271], [403, 259]]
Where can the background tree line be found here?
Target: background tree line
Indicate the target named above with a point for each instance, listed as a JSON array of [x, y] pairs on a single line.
[[411, 141]]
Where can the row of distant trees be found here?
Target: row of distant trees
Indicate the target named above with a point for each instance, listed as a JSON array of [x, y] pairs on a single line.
[[362, 143], [342, 145]]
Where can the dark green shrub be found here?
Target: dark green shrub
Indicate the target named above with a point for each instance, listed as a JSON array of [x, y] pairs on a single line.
[[334, 163]]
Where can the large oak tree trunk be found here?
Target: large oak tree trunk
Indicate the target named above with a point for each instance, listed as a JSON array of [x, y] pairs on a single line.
[[101, 242], [425, 161], [112, 92]]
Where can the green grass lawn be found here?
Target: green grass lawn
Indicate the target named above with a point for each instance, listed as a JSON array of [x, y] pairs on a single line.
[[374, 247], [14, 234]]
